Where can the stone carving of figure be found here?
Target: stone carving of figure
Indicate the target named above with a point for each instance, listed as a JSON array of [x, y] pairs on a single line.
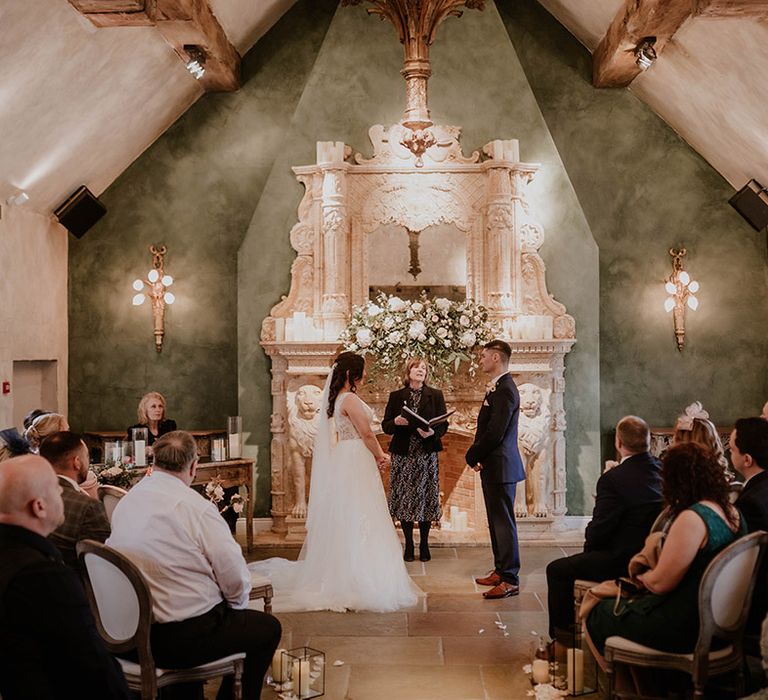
[[302, 422], [534, 442]]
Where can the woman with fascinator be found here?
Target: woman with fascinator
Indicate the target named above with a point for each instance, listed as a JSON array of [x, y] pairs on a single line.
[[694, 426], [351, 558]]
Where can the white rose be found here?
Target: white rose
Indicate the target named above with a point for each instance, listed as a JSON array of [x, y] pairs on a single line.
[[416, 329], [432, 341], [218, 493], [442, 332], [112, 471], [395, 304], [364, 337], [388, 323], [442, 303], [417, 306], [464, 321], [435, 319], [447, 343], [374, 310], [394, 337], [422, 338], [468, 339]]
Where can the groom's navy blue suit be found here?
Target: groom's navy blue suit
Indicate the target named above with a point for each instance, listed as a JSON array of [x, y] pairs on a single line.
[[495, 448]]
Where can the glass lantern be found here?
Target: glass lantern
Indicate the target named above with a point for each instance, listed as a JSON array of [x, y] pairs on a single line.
[[577, 667], [306, 672], [235, 437]]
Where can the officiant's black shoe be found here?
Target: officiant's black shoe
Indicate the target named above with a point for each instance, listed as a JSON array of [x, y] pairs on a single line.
[[424, 554], [408, 553]]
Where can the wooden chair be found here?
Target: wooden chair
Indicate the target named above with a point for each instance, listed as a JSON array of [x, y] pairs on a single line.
[[261, 587], [121, 603], [725, 594], [109, 496]]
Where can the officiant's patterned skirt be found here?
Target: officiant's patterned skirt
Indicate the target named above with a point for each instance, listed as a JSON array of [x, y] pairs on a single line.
[[414, 488]]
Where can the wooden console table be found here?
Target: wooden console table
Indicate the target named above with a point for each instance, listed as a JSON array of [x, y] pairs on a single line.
[[95, 440], [233, 472]]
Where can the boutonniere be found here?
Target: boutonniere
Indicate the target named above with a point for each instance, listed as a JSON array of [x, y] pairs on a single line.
[[490, 388]]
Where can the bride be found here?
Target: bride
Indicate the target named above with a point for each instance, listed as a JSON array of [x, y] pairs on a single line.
[[351, 559]]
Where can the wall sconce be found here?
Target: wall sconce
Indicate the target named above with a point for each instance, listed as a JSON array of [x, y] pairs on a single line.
[[196, 62], [645, 54], [157, 283], [681, 289]]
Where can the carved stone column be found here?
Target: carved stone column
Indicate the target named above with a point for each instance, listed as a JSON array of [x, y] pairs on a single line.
[[278, 444], [335, 239], [501, 246], [558, 434]]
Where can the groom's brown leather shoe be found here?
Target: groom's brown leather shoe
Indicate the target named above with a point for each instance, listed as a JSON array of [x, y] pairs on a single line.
[[492, 579], [503, 590]]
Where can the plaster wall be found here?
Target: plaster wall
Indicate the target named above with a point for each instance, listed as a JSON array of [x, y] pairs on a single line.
[[33, 299]]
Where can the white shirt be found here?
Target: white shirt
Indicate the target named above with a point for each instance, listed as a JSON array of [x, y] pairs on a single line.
[[496, 379], [182, 545], [75, 485]]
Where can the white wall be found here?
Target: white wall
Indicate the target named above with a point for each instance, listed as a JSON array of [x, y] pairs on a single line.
[[33, 298]]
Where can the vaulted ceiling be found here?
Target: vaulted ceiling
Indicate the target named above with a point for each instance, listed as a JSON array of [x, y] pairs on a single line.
[[79, 103]]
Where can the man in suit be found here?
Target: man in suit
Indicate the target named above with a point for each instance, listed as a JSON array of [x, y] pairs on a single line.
[[749, 455], [495, 455], [628, 499], [51, 648], [84, 517]]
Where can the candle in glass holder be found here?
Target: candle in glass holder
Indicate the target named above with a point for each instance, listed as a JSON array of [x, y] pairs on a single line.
[[140, 437], [540, 671], [235, 436], [279, 670], [575, 670], [300, 677]]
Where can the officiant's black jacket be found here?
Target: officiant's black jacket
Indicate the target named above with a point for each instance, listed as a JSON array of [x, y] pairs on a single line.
[[753, 504], [627, 501], [495, 445], [432, 404]]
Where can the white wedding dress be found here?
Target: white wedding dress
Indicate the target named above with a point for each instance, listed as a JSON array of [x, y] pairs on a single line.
[[351, 559]]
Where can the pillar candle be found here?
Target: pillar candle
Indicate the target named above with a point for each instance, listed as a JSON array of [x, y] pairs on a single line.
[[300, 677], [299, 325], [575, 670], [540, 671], [140, 453], [462, 520], [289, 331], [279, 670], [279, 329], [235, 445], [454, 517]]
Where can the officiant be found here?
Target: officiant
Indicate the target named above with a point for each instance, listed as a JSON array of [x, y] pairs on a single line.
[[414, 492]]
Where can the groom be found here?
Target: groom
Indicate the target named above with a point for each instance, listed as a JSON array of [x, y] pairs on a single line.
[[495, 455]]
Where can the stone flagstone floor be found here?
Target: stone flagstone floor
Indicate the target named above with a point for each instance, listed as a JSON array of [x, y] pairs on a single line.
[[436, 651]]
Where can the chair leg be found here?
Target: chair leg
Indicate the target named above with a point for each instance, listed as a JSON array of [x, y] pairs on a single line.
[[237, 683], [268, 604]]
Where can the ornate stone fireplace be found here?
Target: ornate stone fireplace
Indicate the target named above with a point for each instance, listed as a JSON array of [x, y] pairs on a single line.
[[447, 201]]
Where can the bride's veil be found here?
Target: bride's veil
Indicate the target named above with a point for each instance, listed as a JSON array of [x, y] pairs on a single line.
[[320, 489]]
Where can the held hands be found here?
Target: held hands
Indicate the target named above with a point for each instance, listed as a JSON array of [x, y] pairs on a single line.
[[383, 462], [424, 433], [399, 420]]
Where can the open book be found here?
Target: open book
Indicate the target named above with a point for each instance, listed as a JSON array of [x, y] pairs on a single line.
[[416, 421]]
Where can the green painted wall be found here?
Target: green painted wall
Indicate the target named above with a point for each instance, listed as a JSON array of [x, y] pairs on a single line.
[[617, 189], [479, 84], [644, 190], [194, 190]]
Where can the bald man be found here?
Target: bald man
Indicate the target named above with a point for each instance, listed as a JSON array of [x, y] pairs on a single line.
[[51, 648]]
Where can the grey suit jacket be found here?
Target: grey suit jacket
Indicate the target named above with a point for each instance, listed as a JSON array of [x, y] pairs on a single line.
[[84, 519]]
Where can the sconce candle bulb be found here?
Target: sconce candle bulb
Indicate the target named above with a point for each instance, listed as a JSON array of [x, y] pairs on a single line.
[[156, 285], [681, 289]]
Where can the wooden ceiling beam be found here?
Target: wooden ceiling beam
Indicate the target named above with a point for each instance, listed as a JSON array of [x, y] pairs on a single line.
[[731, 8], [614, 61], [181, 23]]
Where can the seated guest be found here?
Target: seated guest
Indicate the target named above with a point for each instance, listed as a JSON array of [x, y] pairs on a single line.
[[151, 413], [749, 454], [12, 444], [627, 502], [34, 413], [51, 648], [666, 617], [195, 570], [43, 425], [694, 426], [84, 517]]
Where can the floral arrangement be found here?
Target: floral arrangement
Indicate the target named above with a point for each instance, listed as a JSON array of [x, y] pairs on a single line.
[[117, 474], [214, 492], [444, 332]]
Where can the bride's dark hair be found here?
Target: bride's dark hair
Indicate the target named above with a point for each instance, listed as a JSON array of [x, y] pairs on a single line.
[[348, 365]]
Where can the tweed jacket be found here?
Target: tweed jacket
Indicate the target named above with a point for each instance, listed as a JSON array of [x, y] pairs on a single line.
[[84, 519]]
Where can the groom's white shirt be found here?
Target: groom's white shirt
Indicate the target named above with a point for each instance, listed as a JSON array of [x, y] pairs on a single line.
[[496, 379]]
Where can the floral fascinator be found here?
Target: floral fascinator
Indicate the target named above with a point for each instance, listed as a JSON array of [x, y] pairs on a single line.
[[692, 412]]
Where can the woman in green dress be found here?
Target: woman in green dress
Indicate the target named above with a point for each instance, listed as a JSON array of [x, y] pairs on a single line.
[[666, 617]]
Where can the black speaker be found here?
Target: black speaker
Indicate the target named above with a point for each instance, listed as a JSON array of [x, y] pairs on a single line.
[[81, 211], [751, 201]]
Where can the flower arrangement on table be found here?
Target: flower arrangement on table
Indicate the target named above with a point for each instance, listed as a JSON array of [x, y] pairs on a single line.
[[444, 332], [117, 473], [214, 492]]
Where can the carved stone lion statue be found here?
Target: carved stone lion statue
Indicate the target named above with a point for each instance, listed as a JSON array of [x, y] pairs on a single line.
[[533, 441], [302, 428]]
